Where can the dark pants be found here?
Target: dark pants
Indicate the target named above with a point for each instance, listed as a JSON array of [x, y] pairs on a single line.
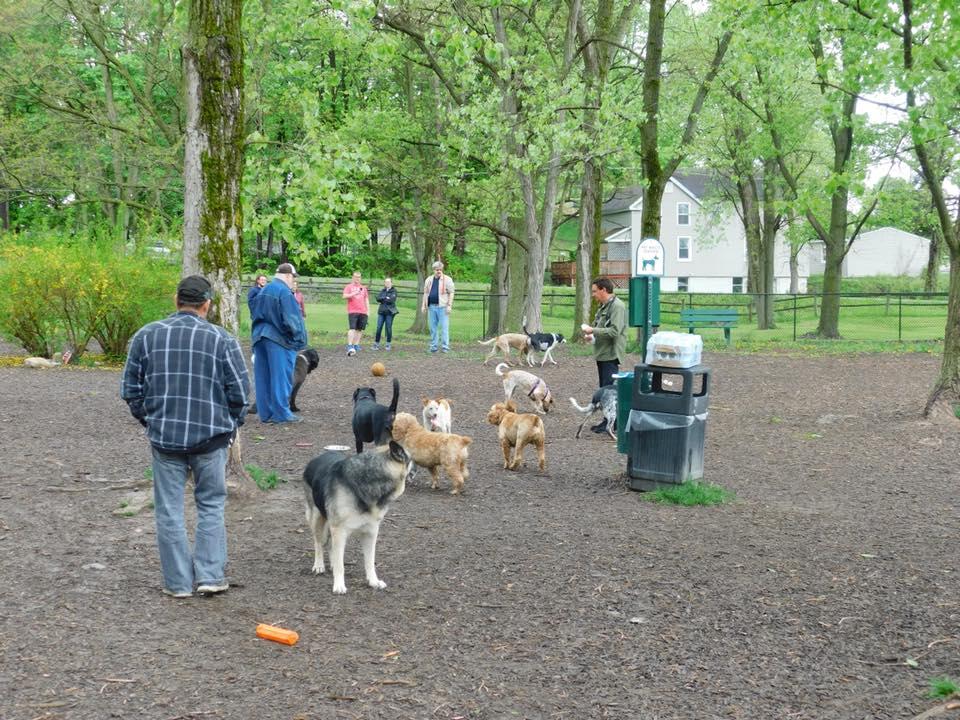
[[606, 370], [384, 319]]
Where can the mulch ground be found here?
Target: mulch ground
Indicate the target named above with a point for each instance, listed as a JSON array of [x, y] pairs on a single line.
[[827, 589]]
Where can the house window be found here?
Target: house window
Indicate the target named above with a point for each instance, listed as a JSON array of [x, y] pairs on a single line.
[[683, 284], [683, 213], [738, 285], [683, 248]]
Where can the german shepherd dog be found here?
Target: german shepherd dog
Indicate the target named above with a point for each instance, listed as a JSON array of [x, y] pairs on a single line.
[[345, 494], [605, 400], [373, 422], [306, 362]]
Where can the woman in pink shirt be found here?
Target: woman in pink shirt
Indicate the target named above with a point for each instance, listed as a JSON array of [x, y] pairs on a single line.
[[358, 307]]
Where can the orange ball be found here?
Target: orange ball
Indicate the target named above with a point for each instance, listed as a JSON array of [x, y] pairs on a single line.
[[378, 369]]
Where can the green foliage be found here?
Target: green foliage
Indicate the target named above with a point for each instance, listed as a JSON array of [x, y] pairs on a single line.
[[689, 494], [56, 294], [943, 687], [874, 284], [263, 479]]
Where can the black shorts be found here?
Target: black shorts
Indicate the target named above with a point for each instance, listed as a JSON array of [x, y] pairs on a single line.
[[358, 321]]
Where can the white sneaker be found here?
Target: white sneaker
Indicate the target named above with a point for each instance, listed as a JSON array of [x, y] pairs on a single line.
[[213, 589], [179, 595]]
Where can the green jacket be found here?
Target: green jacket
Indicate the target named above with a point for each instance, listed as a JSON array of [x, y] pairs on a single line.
[[610, 331]]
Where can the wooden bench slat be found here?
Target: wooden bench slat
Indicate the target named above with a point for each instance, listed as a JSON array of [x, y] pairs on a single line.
[[723, 318]]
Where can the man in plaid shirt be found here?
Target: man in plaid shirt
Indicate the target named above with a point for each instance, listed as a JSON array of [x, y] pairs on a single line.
[[185, 381]]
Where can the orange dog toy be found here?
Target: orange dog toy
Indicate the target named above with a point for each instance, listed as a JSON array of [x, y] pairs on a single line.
[[277, 634]]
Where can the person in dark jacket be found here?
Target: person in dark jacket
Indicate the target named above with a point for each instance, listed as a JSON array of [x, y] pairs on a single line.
[[278, 335], [387, 298], [255, 290], [186, 382]]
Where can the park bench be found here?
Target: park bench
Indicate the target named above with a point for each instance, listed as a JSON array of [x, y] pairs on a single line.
[[725, 318]]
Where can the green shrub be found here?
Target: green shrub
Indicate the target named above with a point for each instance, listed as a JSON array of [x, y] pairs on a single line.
[[943, 687], [263, 479], [690, 493], [77, 291]]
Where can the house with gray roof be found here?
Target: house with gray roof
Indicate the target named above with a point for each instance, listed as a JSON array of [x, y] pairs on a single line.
[[705, 246]]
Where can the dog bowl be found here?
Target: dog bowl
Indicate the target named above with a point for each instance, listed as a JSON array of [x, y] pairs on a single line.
[[337, 448]]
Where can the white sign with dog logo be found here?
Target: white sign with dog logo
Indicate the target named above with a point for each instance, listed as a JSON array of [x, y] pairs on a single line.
[[649, 258]]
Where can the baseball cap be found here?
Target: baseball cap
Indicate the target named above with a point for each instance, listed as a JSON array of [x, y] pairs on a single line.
[[286, 269], [194, 289]]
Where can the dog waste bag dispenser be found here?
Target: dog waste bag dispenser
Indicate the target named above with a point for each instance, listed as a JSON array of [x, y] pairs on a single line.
[[666, 426]]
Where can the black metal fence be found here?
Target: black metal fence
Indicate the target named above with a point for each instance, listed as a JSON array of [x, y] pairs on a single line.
[[862, 316]]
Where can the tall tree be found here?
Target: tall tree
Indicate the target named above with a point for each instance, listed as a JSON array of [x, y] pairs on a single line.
[[598, 48], [659, 160], [213, 164], [931, 85]]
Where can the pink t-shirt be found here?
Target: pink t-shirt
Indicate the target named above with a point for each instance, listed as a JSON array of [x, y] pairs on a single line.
[[359, 303]]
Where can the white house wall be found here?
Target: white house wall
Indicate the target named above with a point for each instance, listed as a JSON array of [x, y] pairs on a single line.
[[887, 251]]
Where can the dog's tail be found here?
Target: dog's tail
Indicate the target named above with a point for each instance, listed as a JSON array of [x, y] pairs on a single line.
[[523, 324], [396, 395], [588, 409], [501, 365], [491, 341]]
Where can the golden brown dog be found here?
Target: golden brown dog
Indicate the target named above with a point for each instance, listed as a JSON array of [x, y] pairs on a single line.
[[434, 450], [504, 342], [517, 430]]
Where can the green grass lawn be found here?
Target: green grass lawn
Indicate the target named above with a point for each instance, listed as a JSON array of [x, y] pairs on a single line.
[[866, 323]]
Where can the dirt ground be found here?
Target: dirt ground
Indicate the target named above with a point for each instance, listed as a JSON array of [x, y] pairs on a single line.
[[828, 589]]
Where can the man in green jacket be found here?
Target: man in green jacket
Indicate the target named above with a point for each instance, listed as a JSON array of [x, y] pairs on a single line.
[[608, 334]]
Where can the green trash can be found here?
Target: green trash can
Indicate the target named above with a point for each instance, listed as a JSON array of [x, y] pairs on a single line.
[[624, 383]]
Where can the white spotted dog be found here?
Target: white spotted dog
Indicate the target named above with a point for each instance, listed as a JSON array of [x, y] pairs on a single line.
[[529, 384], [436, 414], [605, 400]]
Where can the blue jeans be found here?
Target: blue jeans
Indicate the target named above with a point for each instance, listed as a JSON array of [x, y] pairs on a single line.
[[207, 564], [438, 320], [273, 376], [384, 320]]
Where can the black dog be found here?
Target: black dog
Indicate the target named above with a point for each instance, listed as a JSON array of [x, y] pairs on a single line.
[[373, 422], [306, 362], [541, 342]]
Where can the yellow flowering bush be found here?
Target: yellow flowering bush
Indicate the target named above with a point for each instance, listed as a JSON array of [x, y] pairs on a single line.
[[54, 297]]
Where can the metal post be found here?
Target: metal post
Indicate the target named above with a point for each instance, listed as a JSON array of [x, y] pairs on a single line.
[[899, 316], [483, 315], [794, 317]]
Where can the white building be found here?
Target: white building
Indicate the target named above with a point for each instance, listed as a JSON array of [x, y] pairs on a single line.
[[706, 252], [885, 251]]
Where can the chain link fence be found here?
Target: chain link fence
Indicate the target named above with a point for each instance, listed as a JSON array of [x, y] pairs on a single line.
[[862, 316]]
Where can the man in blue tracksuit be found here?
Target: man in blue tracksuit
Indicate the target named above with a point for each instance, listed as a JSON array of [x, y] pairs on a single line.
[[278, 335]]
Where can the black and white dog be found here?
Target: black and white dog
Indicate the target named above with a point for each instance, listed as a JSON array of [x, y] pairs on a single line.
[[346, 494], [373, 422], [605, 400], [306, 362], [541, 342]]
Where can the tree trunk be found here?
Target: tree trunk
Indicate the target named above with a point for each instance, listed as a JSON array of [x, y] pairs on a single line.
[[213, 167], [931, 276]]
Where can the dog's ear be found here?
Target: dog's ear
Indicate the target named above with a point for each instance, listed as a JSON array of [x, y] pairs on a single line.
[[510, 406], [397, 453], [355, 393], [373, 393], [425, 400]]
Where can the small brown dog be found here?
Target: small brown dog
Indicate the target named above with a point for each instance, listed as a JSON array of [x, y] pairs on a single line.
[[434, 450], [504, 342], [516, 430]]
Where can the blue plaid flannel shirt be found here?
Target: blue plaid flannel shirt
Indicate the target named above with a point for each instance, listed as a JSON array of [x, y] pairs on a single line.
[[185, 379]]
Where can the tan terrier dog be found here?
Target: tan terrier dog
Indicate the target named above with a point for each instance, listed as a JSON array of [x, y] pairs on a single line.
[[434, 450], [517, 430]]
